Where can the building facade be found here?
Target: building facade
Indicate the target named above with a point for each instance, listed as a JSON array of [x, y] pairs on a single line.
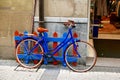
[[18, 14]]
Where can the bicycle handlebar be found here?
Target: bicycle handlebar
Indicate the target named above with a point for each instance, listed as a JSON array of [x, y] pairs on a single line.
[[70, 23]]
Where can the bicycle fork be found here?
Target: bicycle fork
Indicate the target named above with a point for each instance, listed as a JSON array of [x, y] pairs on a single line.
[[75, 46]]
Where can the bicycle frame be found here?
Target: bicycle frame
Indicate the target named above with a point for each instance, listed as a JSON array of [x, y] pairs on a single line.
[[63, 43], [47, 54]]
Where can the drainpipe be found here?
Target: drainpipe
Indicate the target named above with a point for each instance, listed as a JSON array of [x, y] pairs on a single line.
[[34, 10], [41, 13]]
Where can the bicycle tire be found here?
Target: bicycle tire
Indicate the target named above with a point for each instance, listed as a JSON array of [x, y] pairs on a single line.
[[80, 63], [23, 55]]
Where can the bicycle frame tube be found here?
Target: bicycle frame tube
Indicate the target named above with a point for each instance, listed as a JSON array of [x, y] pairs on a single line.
[[65, 41], [39, 41], [75, 46], [42, 42]]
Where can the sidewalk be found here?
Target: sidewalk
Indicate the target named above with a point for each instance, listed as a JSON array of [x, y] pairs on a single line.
[[102, 71]]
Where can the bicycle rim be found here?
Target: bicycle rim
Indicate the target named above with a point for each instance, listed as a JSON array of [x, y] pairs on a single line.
[[26, 58], [82, 61]]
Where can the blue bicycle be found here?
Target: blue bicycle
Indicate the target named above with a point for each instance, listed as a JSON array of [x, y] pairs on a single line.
[[79, 56]]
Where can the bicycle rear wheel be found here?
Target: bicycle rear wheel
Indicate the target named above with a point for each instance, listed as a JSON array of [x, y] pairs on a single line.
[[82, 59], [29, 53]]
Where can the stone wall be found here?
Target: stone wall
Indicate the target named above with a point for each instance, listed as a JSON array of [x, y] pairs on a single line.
[[65, 8], [14, 15]]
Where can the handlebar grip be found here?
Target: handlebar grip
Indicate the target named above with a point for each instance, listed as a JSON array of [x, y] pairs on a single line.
[[70, 23]]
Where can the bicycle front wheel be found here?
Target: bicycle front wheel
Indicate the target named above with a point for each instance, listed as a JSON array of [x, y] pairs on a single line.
[[80, 57], [29, 53]]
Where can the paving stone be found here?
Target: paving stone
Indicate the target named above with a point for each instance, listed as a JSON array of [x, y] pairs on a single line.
[[52, 72]]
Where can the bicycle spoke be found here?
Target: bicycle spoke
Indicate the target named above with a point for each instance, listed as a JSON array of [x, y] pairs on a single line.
[[25, 47], [36, 56]]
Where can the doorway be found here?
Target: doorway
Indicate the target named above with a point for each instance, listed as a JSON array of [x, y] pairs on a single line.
[[106, 15]]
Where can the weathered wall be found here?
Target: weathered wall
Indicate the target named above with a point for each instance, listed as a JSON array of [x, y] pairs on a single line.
[[14, 15], [61, 11], [65, 8], [17, 15]]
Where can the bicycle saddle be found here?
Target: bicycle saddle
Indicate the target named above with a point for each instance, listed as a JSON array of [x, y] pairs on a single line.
[[41, 30]]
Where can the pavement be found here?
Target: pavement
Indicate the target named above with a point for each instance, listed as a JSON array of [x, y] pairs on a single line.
[[105, 69]]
